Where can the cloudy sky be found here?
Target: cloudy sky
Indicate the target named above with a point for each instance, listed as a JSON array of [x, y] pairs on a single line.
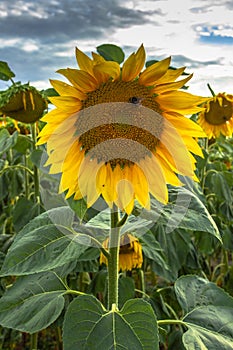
[[39, 37]]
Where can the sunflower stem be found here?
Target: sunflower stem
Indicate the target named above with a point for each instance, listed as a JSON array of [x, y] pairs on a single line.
[[113, 260], [211, 90], [35, 169], [33, 341]]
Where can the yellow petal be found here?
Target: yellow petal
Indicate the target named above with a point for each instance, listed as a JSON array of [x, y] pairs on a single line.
[[56, 116], [170, 75], [151, 74], [180, 101], [67, 103], [171, 86], [155, 178], [80, 79], [84, 62], [133, 65], [184, 124], [97, 58], [105, 70], [124, 187], [105, 183], [173, 150], [87, 180], [67, 90], [140, 185], [169, 174]]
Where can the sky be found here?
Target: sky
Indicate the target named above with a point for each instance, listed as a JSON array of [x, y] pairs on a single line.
[[39, 37]]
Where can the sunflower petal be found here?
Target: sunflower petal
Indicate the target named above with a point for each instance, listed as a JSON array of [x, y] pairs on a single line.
[[181, 102], [151, 74], [67, 90], [84, 62], [104, 71], [171, 86], [81, 79], [133, 65]]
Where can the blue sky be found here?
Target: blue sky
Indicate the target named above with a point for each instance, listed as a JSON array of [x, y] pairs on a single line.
[[39, 37]]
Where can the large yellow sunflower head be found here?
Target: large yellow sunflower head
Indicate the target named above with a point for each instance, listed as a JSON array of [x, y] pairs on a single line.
[[217, 117], [120, 132], [130, 254]]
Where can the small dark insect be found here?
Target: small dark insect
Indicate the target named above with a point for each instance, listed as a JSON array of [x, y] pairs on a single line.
[[135, 100]]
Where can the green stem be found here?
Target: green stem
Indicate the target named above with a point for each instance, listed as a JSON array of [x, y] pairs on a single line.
[[35, 169], [211, 90], [178, 322], [113, 261], [203, 171], [26, 181], [33, 341]]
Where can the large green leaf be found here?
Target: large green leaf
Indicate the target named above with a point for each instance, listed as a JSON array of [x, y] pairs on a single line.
[[209, 314], [32, 303], [184, 210], [111, 52], [209, 327], [45, 243], [88, 325]]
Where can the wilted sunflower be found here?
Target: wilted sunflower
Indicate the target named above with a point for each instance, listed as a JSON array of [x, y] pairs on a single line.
[[130, 253], [119, 132], [23, 103], [217, 117]]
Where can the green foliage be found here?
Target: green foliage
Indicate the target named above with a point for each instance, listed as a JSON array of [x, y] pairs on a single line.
[[51, 278], [5, 71], [88, 325], [36, 300], [111, 52]]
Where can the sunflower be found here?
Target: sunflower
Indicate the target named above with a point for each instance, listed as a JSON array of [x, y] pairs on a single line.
[[217, 117], [120, 132], [23, 103], [130, 254]]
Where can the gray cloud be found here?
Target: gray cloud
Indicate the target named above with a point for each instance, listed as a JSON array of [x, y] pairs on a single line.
[[71, 19]]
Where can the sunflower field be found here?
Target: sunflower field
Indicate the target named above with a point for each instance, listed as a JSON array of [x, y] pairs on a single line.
[[116, 209]]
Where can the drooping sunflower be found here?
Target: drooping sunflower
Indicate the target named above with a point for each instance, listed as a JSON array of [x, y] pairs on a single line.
[[217, 117], [120, 132], [130, 253]]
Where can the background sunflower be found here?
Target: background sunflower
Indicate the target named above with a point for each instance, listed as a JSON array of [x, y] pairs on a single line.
[[217, 117]]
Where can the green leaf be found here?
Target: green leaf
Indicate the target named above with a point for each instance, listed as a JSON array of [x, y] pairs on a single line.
[[111, 52], [208, 316], [45, 243], [24, 211], [88, 325], [193, 291], [7, 141], [126, 289], [185, 210], [221, 187], [79, 206], [5, 71], [32, 303], [23, 144], [176, 246], [199, 338], [153, 251], [36, 157]]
